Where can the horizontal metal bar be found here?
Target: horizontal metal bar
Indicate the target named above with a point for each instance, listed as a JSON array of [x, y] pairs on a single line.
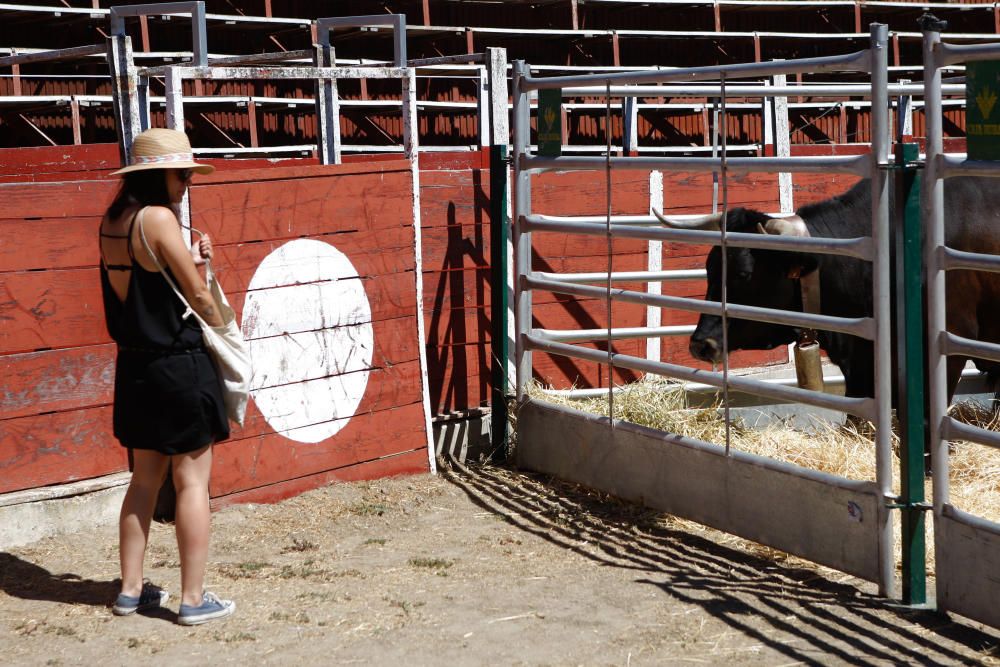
[[833, 382], [952, 259], [839, 164], [52, 56], [447, 60], [579, 335], [956, 430], [249, 59], [856, 62], [968, 347], [791, 90], [625, 276], [863, 327], [862, 407], [273, 73], [859, 248], [953, 54], [953, 165]]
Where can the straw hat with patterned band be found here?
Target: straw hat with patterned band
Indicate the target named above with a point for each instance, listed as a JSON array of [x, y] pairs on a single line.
[[160, 148]]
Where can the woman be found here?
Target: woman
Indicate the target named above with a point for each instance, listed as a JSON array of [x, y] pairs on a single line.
[[168, 405]]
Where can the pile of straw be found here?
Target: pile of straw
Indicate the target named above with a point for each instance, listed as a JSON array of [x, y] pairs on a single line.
[[846, 451]]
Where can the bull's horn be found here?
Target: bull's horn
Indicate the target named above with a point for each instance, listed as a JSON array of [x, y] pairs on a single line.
[[791, 225], [712, 221]]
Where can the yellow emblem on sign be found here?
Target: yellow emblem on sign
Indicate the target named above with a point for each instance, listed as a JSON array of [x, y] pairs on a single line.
[[550, 116], [985, 100]]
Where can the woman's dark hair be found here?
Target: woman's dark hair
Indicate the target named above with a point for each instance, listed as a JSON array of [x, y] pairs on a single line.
[[145, 188]]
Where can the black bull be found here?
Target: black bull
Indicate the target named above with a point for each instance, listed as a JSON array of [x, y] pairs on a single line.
[[767, 278]]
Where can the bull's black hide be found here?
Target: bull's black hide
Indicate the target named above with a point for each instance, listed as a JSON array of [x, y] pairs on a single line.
[[762, 278]]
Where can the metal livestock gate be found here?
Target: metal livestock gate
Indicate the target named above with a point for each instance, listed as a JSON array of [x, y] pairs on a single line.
[[967, 547], [841, 523]]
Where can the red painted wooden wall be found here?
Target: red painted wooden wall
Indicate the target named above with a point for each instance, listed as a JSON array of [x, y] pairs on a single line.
[[57, 362]]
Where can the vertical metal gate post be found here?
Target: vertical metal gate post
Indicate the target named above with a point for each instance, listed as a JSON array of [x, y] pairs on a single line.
[[908, 290], [124, 93], [932, 212], [175, 121], [327, 102], [522, 239], [496, 75], [880, 164]]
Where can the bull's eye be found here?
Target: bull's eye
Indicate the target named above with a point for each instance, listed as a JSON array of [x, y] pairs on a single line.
[[743, 276]]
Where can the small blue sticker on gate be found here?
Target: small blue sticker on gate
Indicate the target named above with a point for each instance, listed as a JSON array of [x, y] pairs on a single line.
[[854, 512]]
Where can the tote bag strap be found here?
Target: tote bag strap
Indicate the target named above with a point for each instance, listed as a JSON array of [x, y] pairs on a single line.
[[209, 274]]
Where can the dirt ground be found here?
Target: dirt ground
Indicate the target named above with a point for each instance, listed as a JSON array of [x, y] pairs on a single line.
[[486, 566]]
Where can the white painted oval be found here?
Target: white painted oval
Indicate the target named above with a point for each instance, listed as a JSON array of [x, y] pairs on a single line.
[[307, 322]]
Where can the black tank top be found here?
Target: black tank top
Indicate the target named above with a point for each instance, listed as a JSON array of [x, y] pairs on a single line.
[[149, 319]]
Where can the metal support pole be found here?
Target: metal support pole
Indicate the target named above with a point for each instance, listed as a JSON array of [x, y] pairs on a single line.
[[124, 94], [175, 121], [495, 92], [908, 284], [630, 126], [881, 291], [411, 141], [328, 144], [522, 239], [932, 211]]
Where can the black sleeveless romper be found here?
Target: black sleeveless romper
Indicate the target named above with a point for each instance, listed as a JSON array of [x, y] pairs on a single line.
[[168, 396]]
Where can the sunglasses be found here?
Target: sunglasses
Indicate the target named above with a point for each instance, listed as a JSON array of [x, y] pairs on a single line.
[[185, 174]]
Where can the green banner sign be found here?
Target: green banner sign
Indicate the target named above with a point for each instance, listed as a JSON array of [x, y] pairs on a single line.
[[982, 113], [550, 122]]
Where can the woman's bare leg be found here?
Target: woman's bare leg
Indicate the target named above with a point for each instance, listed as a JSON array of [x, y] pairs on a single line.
[[149, 471], [193, 520]]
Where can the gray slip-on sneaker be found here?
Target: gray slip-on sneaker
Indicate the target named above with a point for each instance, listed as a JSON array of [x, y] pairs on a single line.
[[211, 608]]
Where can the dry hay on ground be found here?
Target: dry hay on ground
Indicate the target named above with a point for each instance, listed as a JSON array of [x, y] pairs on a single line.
[[838, 450]]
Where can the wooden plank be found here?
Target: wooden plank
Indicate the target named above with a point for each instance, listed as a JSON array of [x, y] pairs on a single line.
[[407, 463], [469, 288], [300, 172], [56, 380], [65, 308], [60, 243], [28, 163], [56, 448], [376, 253], [44, 309], [820, 517], [71, 199], [459, 366], [455, 247], [269, 458], [456, 326], [276, 209], [387, 387]]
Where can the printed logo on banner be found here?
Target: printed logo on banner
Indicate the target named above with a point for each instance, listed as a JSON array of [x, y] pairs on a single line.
[[982, 127], [550, 122]]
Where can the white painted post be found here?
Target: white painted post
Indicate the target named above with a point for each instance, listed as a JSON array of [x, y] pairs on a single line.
[[782, 140], [124, 93], [654, 262], [411, 150], [175, 121]]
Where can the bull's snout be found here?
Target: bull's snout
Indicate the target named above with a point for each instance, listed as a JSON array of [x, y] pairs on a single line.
[[705, 349]]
